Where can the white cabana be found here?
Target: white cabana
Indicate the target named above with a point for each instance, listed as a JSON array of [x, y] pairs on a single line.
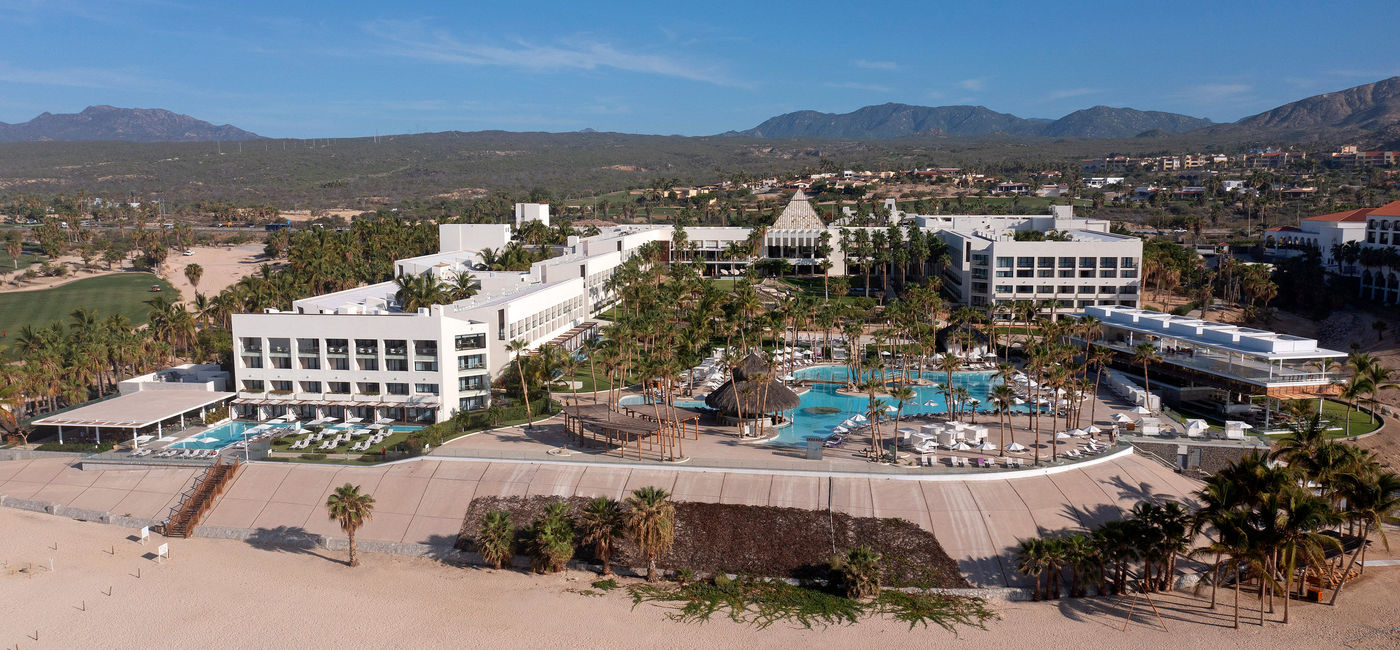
[[1015, 446], [1196, 427], [1121, 418], [1142, 410]]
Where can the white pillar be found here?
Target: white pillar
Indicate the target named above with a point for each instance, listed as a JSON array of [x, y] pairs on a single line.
[[60, 434], [159, 434]]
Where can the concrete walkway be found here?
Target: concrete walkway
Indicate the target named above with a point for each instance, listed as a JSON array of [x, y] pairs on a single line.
[[423, 501]]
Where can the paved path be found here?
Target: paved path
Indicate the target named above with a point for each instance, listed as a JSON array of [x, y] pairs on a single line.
[[978, 522]]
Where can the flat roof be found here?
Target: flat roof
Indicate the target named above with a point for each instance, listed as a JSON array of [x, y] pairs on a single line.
[[1212, 334], [135, 410]]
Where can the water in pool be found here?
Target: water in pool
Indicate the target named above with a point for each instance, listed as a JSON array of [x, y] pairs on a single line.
[[230, 432], [822, 408]]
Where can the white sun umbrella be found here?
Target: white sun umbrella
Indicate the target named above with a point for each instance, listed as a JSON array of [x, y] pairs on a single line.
[[930, 403], [905, 432], [891, 409], [1015, 446], [858, 418], [1142, 410], [287, 417], [839, 429], [1120, 418], [1246, 426], [1017, 401], [1093, 429], [354, 420], [987, 446], [787, 377], [884, 353], [1078, 432], [1062, 435], [962, 446], [973, 400]]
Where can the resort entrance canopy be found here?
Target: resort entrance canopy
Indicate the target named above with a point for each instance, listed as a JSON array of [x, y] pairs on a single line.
[[133, 412], [1240, 359]]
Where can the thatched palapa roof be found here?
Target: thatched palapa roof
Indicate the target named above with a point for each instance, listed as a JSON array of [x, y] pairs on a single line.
[[753, 395]]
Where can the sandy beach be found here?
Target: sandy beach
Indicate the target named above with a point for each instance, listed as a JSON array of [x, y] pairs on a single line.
[[223, 266], [230, 594]]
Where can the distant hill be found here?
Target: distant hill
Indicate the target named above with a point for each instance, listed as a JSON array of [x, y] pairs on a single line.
[[1370, 107], [97, 123], [1108, 122], [888, 121]]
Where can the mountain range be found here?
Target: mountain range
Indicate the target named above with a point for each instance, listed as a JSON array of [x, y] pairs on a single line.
[[900, 120], [1367, 111], [126, 124]]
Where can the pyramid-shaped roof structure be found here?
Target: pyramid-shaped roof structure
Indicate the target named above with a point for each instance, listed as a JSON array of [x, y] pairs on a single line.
[[799, 215]]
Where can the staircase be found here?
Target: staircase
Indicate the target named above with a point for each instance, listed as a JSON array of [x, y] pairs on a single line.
[[199, 499]]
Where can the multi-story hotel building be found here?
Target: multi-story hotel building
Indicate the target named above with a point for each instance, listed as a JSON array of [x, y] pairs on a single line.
[[356, 353], [1380, 281]]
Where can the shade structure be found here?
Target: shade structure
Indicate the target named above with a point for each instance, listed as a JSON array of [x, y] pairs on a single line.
[[1142, 410], [1078, 432], [839, 429], [1015, 446], [750, 393], [930, 403], [891, 409], [1017, 401], [1121, 418], [1092, 429], [1062, 435], [987, 446], [962, 446], [859, 417]]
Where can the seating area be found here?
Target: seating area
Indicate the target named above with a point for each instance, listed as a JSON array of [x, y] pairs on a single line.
[[178, 453], [334, 437]]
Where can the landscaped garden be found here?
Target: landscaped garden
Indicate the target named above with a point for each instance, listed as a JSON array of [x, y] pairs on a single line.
[[123, 293]]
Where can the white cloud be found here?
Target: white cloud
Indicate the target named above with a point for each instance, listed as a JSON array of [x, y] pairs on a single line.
[[1071, 92], [974, 85], [72, 77], [876, 65], [412, 40], [852, 85]]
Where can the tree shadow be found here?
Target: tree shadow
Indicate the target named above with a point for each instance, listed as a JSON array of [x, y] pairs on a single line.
[[1140, 492], [1091, 516], [288, 539], [444, 549], [1174, 607]]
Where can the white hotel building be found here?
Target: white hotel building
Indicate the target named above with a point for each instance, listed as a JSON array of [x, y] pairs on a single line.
[[355, 353]]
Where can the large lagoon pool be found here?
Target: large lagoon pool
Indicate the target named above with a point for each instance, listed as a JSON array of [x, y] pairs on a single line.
[[230, 432], [811, 419]]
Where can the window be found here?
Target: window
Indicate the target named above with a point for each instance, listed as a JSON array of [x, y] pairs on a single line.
[[1127, 290], [473, 382], [396, 389], [1045, 262], [1003, 274], [279, 346], [1045, 288], [310, 363], [1128, 273], [368, 388], [1086, 273], [979, 287], [338, 387], [1025, 262], [253, 385], [1086, 303], [425, 389], [1045, 273], [1086, 289], [1066, 273], [252, 362], [1087, 262], [979, 274], [282, 386], [367, 363], [425, 348], [471, 341], [1025, 273], [1108, 262], [311, 387], [1065, 288], [1110, 289], [366, 347], [282, 363], [337, 346], [338, 363], [471, 403], [1108, 274], [308, 346], [1024, 288], [1129, 262], [396, 347], [1003, 288], [1003, 262], [251, 344], [396, 365], [1066, 262], [471, 361], [425, 366]]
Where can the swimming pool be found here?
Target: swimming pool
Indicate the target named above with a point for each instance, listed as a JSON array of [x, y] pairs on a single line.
[[230, 432], [809, 421]]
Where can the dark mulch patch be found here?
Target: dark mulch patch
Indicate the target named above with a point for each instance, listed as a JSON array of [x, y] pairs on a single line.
[[760, 541]]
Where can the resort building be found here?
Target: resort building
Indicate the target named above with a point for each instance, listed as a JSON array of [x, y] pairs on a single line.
[[1319, 233], [1380, 259], [152, 406], [1079, 263], [358, 353], [1217, 368]]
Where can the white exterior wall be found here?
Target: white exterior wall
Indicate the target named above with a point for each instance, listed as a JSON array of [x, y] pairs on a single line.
[[473, 237], [271, 329], [973, 272]]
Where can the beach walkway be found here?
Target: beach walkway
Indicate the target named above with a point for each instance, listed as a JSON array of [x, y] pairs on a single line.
[[423, 501]]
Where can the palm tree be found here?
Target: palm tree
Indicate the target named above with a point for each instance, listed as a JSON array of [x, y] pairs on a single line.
[[518, 347], [949, 363], [551, 541], [351, 509], [1145, 353], [193, 273], [860, 572], [651, 522], [495, 538], [1030, 561], [1378, 378], [902, 395], [601, 521], [1001, 398], [1373, 498], [1298, 517]]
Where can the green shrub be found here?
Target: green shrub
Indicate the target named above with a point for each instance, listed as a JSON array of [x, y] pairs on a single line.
[[77, 446], [551, 542], [605, 585], [495, 540], [215, 415], [859, 572], [1184, 309]]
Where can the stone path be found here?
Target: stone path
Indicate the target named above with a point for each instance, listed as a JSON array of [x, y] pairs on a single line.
[[978, 522]]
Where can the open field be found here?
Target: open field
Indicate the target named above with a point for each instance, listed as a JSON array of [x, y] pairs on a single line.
[[122, 293]]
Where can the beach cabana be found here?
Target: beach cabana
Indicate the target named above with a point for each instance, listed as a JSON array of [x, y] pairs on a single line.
[[752, 393]]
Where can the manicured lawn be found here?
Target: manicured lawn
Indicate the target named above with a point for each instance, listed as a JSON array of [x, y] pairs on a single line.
[[124, 293], [7, 263]]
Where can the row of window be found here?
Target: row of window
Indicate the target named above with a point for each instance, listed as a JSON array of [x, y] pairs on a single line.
[[338, 387], [311, 348], [1062, 289], [548, 320], [1052, 273], [1067, 262], [363, 363]]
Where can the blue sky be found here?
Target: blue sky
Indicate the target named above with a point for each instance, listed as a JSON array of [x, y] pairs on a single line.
[[352, 68]]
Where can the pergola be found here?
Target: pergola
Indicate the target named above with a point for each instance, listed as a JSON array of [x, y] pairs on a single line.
[[135, 411], [601, 423]]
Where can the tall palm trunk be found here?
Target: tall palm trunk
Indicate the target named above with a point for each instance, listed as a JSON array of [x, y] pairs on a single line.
[[1365, 536]]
